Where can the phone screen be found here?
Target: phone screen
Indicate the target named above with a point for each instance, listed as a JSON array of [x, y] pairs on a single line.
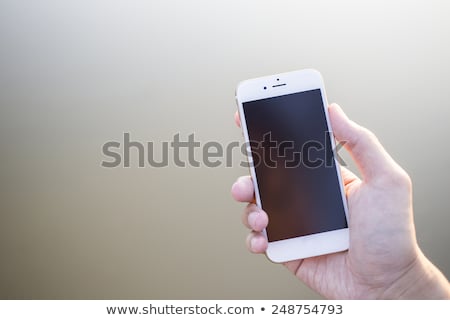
[[294, 164]]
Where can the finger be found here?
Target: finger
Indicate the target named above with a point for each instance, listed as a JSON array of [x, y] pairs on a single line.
[[348, 176], [368, 153], [349, 179], [242, 190], [254, 218], [256, 242], [293, 266], [237, 119]]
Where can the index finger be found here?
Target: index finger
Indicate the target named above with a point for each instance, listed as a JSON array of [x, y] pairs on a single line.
[[242, 190], [237, 119]]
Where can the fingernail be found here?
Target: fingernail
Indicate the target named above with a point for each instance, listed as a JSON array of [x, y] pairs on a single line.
[[253, 243], [236, 186], [241, 179], [252, 219]]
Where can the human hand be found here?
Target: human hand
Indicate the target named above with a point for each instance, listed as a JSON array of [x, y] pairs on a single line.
[[383, 260]]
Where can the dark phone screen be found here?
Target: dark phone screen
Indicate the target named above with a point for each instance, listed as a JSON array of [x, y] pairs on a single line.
[[294, 164]]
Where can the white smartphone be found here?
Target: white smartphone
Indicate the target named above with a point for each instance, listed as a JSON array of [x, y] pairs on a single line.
[[295, 172]]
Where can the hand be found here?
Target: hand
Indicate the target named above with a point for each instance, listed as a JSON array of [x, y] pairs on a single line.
[[384, 260]]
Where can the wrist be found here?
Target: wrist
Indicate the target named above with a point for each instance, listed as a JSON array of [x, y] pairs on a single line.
[[421, 280]]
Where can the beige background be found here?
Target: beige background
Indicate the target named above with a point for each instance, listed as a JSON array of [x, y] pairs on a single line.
[[76, 74]]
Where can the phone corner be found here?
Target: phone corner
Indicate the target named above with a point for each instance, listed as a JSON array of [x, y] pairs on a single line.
[[272, 256], [314, 72], [239, 86]]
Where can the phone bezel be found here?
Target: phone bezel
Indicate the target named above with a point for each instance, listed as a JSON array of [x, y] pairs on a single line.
[[273, 86]]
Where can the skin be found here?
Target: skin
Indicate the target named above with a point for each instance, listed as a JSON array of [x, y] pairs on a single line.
[[384, 260]]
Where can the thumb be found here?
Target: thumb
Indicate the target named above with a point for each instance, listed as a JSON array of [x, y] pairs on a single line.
[[369, 155]]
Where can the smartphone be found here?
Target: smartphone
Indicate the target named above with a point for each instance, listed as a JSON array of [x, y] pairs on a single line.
[[295, 172]]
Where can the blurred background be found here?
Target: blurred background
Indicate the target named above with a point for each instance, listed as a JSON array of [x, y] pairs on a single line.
[[77, 74]]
